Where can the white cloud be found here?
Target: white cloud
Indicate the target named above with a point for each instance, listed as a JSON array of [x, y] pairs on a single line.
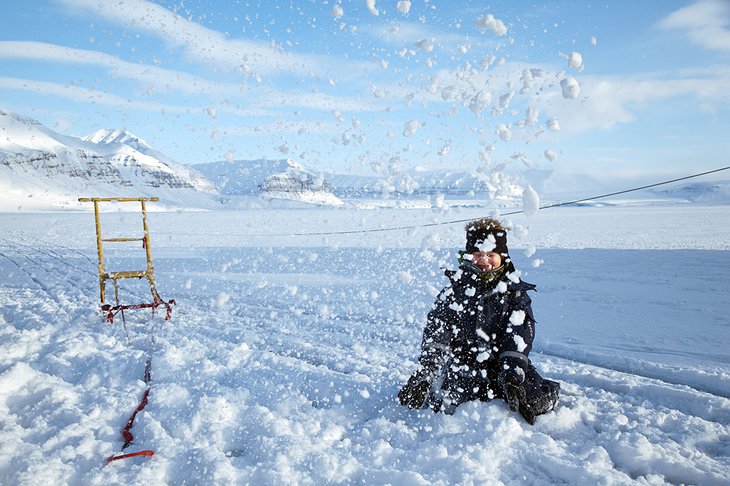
[[85, 95], [290, 127], [163, 80], [705, 22], [318, 101], [265, 101], [198, 42], [407, 34], [153, 76], [612, 100]]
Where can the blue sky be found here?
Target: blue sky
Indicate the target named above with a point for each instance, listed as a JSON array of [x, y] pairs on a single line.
[[377, 87]]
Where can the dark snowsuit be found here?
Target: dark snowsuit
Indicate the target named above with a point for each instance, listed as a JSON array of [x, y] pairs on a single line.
[[473, 329]]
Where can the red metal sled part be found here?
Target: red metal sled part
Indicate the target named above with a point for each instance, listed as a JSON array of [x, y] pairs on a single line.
[[113, 310], [131, 454]]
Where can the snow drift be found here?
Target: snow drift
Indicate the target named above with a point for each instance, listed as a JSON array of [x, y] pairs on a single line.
[[285, 352]]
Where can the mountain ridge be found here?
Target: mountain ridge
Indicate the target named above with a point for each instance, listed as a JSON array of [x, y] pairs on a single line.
[[41, 169]]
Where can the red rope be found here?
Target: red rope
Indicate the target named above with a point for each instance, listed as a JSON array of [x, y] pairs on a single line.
[[126, 431], [128, 437], [132, 454]]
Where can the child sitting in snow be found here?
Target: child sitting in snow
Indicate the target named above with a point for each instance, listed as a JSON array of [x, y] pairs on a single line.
[[479, 334]]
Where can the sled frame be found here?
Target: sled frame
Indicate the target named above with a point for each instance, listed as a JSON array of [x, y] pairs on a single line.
[[148, 273]]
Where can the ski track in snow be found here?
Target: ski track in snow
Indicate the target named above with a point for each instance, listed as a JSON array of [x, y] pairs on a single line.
[[292, 379]]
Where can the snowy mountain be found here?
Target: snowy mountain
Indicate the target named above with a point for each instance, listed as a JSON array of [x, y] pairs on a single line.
[[287, 179], [272, 179], [42, 169], [557, 184], [420, 183], [714, 192], [117, 136]]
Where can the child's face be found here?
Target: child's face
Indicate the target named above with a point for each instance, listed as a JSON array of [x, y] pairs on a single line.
[[486, 260]]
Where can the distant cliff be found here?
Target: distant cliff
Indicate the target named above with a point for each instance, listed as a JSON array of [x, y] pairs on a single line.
[[279, 179], [43, 169]]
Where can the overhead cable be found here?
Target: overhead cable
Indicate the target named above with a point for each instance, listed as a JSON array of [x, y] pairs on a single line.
[[555, 205]]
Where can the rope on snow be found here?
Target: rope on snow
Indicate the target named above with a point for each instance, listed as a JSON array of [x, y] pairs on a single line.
[[126, 431]]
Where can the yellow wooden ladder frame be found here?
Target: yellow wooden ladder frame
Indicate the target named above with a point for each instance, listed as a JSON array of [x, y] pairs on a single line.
[[148, 273]]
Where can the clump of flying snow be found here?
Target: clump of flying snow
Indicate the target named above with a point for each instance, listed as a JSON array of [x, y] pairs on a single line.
[[411, 128], [520, 343], [222, 299], [531, 116], [406, 277], [403, 6], [520, 231], [575, 61], [530, 201], [487, 61], [570, 87], [449, 93], [528, 77], [488, 22], [372, 8], [377, 92], [482, 334], [426, 45], [522, 157], [553, 125], [551, 155], [517, 318], [504, 100], [504, 133], [480, 101], [337, 11], [439, 202]]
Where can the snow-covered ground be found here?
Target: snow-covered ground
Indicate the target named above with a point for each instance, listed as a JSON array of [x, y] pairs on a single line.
[[286, 350]]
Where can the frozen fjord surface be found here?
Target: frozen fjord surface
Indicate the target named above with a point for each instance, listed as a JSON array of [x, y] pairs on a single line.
[[284, 356]]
